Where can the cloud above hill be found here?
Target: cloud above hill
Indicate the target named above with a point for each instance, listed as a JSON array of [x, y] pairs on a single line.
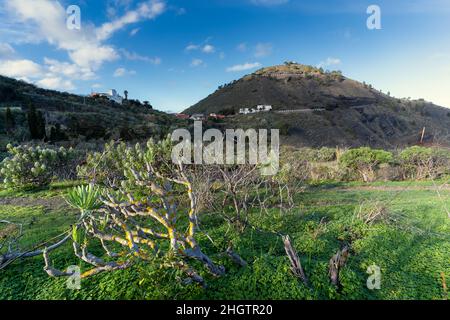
[[329, 62], [244, 67], [87, 48]]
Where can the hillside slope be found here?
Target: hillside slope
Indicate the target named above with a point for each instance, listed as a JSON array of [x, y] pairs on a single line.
[[326, 109], [77, 117]]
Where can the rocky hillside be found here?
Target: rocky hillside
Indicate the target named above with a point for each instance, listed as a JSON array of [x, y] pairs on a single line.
[[317, 108]]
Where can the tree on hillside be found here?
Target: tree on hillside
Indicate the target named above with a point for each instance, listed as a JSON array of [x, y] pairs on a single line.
[[56, 134], [126, 94], [36, 123], [9, 121], [8, 93], [148, 105]]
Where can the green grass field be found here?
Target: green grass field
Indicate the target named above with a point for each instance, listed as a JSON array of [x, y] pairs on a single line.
[[411, 247]]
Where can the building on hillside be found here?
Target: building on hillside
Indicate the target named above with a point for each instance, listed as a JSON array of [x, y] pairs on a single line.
[[216, 116], [182, 116], [111, 95], [263, 108], [258, 108], [198, 117]]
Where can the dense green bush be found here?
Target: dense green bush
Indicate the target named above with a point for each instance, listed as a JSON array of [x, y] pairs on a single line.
[[365, 161], [28, 166], [112, 165], [326, 164], [323, 154], [105, 167], [421, 163]]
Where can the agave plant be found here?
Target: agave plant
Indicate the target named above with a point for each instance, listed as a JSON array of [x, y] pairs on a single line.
[[84, 198]]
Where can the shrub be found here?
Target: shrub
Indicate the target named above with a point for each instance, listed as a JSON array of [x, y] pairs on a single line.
[[420, 163], [29, 167], [106, 167], [365, 161], [294, 167], [325, 154], [320, 172], [150, 212], [389, 172]]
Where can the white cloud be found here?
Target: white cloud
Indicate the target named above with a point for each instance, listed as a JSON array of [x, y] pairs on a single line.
[[69, 70], [43, 20], [329, 62], [196, 63], [6, 51], [136, 57], [20, 69], [48, 19], [208, 49], [268, 3], [56, 83], [134, 31], [93, 56], [244, 67], [192, 47], [145, 11], [263, 50], [85, 47], [120, 72], [52, 75], [242, 47], [115, 5]]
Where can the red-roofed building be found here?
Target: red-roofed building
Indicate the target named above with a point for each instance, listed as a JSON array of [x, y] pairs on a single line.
[[182, 116], [216, 116]]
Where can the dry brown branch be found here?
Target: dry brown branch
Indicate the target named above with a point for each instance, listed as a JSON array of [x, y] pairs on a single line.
[[296, 265], [236, 258], [337, 262], [371, 212], [12, 256]]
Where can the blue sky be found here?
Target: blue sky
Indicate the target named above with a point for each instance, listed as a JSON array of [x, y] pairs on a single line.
[[175, 52]]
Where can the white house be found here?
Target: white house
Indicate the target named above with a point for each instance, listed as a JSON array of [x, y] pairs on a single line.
[[112, 95], [263, 108], [198, 117], [258, 108]]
